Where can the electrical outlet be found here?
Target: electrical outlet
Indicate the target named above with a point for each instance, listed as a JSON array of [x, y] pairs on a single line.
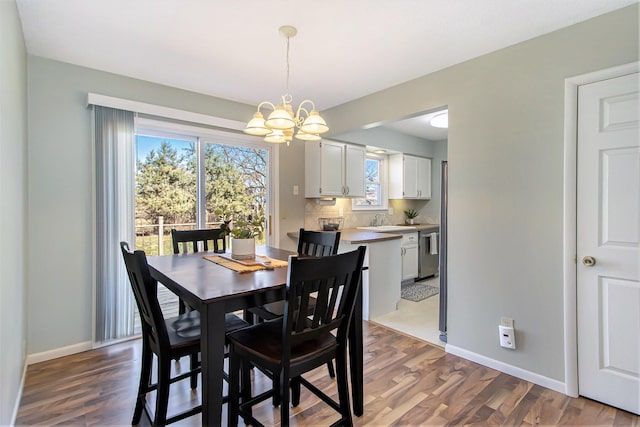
[[296, 190], [505, 321], [390, 211], [507, 337]]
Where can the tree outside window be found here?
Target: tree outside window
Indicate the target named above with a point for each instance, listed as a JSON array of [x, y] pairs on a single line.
[[375, 185]]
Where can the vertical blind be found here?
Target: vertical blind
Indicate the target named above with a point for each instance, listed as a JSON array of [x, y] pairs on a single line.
[[115, 168]]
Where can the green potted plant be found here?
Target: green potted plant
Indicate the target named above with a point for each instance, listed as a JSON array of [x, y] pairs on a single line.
[[411, 215], [243, 230]]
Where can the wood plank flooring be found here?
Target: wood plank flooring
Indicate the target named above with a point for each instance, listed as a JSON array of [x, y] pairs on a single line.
[[407, 382]]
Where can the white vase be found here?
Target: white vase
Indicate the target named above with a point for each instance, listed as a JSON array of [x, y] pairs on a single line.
[[243, 248]]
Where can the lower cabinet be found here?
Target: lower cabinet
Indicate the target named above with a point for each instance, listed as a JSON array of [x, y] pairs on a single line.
[[409, 251], [378, 297]]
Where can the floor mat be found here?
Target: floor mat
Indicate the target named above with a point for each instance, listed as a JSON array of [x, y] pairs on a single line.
[[418, 291]]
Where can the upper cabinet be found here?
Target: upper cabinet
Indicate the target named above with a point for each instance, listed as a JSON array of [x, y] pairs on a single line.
[[409, 177], [334, 169]]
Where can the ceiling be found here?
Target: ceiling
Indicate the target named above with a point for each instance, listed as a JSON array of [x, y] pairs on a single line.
[[344, 50], [419, 126]]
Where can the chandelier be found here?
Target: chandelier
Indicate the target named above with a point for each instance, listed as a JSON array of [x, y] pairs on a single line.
[[280, 126]]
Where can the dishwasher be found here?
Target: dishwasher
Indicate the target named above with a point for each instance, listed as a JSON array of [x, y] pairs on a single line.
[[428, 253]]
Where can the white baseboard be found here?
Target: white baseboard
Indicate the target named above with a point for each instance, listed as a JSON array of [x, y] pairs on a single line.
[[523, 374], [58, 352], [16, 406]]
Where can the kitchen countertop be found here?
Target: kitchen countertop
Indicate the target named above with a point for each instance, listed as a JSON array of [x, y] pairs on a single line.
[[426, 227], [356, 236]]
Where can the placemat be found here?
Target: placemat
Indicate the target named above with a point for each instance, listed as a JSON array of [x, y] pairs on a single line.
[[240, 265]]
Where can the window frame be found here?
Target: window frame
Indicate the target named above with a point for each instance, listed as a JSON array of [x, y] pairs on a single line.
[[383, 182], [204, 135]]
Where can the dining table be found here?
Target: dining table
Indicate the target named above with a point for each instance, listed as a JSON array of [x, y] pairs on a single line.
[[215, 290]]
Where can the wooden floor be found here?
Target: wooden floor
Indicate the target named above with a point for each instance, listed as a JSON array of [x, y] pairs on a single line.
[[407, 382]]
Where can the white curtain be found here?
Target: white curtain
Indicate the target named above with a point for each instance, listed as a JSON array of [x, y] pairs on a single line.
[[115, 193]]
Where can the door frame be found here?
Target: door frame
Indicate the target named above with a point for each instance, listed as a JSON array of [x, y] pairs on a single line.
[[570, 280]]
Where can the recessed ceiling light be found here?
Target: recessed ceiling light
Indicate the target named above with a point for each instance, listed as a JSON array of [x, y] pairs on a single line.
[[441, 120]]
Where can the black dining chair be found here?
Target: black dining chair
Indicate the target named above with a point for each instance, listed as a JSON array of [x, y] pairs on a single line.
[[189, 241], [310, 243], [168, 339], [301, 340]]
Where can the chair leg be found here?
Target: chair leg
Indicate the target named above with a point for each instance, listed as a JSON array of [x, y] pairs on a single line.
[[295, 391], [343, 387], [145, 376], [275, 399], [332, 373], [284, 398], [248, 317], [245, 390], [182, 308], [162, 396], [234, 392], [193, 359]]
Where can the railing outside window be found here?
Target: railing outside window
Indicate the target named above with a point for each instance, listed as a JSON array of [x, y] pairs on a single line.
[[155, 239]]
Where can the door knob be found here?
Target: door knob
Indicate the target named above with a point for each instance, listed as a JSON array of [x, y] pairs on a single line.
[[589, 261]]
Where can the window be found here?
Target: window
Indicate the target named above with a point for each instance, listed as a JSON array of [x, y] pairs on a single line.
[[183, 175], [375, 179]]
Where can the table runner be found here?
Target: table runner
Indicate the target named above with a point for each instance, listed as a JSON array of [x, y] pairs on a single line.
[[241, 268]]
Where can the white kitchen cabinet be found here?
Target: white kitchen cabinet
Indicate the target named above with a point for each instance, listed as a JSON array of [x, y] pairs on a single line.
[[334, 169], [409, 251], [409, 177]]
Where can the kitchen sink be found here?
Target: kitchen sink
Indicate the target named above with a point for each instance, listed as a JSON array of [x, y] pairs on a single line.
[[383, 228]]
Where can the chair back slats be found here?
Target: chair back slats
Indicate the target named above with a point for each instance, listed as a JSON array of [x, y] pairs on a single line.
[[334, 280], [144, 289], [188, 240], [318, 243]]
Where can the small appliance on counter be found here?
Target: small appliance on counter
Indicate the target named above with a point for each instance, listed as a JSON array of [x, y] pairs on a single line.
[[331, 224]]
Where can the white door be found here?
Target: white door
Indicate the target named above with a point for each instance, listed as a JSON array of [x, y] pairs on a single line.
[[410, 177], [608, 242], [354, 170]]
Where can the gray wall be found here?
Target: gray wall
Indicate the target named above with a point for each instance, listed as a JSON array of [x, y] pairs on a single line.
[[60, 174], [13, 184], [505, 153]]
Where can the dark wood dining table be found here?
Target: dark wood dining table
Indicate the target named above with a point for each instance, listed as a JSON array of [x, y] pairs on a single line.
[[214, 290]]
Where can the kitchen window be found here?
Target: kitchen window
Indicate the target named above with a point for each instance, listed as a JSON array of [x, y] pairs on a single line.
[[375, 178]]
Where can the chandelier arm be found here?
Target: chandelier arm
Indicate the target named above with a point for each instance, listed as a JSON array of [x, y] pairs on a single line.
[[301, 108], [273, 107]]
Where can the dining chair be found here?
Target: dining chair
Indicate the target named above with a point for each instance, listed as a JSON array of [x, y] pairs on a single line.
[[168, 339], [301, 340], [189, 241], [310, 243]]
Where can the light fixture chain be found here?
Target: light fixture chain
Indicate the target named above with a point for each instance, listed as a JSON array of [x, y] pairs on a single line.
[[288, 64]]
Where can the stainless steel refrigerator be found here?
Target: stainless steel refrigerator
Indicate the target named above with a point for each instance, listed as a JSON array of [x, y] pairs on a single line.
[[442, 321]]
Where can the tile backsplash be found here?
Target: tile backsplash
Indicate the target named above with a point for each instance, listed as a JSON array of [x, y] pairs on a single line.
[[342, 208]]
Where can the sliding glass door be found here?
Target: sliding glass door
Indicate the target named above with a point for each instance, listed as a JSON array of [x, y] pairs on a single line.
[[185, 174]]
